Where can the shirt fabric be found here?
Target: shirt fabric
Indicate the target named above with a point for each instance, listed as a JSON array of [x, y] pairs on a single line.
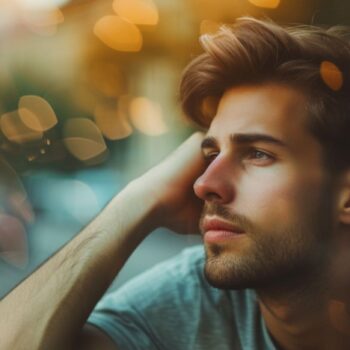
[[172, 307]]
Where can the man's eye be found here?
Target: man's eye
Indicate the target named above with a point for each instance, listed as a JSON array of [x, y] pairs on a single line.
[[210, 156], [258, 155]]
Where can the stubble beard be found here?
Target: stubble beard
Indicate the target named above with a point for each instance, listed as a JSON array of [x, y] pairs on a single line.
[[288, 256]]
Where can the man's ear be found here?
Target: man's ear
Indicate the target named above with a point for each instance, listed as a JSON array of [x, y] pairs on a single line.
[[344, 199]]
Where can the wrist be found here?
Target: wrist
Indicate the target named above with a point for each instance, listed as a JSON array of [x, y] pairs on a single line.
[[141, 203]]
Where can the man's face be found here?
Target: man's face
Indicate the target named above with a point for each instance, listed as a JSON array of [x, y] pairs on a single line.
[[268, 214]]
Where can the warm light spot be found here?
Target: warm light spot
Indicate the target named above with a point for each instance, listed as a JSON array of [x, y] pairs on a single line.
[[83, 139], [83, 149], [339, 316], [269, 4], [15, 130], [209, 27], [13, 241], [331, 75], [112, 122], [137, 11], [118, 33], [147, 116], [36, 113]]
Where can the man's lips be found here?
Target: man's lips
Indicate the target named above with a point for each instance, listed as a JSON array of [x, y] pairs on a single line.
[[217, 230], [219, 225]]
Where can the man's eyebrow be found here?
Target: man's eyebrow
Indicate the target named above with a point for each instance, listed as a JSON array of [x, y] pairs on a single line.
[[211, 142], [256, 137]]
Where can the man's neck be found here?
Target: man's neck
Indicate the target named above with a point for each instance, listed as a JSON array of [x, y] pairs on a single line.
[[300, 319]]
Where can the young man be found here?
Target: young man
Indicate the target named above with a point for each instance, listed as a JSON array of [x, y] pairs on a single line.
[[274, 177]]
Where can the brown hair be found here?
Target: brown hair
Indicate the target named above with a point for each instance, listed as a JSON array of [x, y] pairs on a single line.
[[254, 51]]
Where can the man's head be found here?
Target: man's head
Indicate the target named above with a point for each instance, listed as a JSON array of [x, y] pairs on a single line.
[[277, 148]]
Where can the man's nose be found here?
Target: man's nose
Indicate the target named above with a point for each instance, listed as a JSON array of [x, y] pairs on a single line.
[[216, 183]]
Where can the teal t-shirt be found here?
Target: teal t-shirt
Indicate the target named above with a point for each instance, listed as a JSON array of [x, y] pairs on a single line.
[[172, 307]]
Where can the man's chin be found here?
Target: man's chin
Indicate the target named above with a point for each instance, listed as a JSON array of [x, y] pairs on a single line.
[[221, 273], [225, 270], [234, 280]]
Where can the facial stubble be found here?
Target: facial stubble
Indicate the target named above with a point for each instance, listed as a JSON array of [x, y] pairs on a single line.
[[283, 256]]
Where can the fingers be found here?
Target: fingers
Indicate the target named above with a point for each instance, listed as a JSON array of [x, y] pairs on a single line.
[[188, 157]]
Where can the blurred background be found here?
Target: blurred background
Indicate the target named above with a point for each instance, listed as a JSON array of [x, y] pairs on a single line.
[[89, 101]]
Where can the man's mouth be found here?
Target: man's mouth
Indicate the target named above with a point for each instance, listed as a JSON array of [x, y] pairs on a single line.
[[216, 230]]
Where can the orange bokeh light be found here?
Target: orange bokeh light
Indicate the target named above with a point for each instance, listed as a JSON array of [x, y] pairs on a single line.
[[36, 113], [83, 139], [118, 34], [331, 75], [112, 122], [142, 12], [147, 116], [15, 130], [269, 4]]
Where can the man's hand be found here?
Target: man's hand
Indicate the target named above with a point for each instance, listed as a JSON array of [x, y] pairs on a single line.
[[59, 296], [171, 185]]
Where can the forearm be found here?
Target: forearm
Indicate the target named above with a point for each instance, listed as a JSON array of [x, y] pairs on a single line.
[[48, 310]]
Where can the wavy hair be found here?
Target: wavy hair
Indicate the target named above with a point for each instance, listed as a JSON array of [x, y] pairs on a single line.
[[251, 51]]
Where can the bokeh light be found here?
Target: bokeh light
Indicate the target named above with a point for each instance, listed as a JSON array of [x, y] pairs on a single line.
[[112, 122], [83, 139], [147, 116], [13, 194], [15, 130], [142, 12], [331, 75], [269, 4], [339, 316], [78, 199], [118, 33], [36, 113], [13, 241]]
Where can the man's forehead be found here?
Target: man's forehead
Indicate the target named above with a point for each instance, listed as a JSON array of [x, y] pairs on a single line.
[[267, 109]]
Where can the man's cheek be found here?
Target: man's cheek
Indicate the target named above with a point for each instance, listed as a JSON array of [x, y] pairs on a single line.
[[266, 197]]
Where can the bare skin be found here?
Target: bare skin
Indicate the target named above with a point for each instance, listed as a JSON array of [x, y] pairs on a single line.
[[48, 310], [267, 189]]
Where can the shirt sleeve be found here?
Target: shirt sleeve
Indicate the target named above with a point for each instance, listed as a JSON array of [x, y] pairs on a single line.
[[152, 310]]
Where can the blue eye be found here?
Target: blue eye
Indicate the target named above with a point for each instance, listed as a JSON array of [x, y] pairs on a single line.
[[258, 156]]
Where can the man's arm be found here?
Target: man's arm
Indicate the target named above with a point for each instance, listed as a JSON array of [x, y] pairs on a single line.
[[48, 310]]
